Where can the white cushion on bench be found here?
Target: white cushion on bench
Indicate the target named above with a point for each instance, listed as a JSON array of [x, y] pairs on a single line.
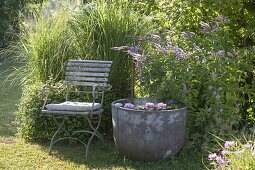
[[73, 106]]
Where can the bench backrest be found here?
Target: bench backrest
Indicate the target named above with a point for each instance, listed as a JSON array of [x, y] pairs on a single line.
[[87, 72]]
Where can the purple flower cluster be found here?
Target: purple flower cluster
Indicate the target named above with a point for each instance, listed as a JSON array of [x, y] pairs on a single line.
[[179, 53], [223, 157], [215, 92], [229, 144], [206, 28]]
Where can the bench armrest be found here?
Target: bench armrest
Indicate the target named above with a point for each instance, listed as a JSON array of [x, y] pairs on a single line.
[[45, 93]]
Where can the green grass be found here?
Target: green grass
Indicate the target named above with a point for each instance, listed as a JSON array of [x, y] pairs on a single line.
[[17, 154], [34, 156], [9, 96]]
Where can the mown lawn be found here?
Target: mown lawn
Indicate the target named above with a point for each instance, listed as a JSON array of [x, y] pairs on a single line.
[[9, 96], [17, 154]]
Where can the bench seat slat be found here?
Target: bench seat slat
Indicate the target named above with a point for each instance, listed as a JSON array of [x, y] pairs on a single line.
[[96, 79], [89, 74], [90, 61], [108, 65], [98, 69], [85, 83]]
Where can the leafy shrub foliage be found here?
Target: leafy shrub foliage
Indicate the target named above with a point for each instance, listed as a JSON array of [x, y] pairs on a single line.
[[206, 58], [207, 71]]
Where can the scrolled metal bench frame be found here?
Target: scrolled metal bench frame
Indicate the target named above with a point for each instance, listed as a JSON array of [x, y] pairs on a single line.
[[88, 73]]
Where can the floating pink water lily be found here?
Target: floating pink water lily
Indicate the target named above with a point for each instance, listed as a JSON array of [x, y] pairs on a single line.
[[129, 106], [161, 106], [150, 106]]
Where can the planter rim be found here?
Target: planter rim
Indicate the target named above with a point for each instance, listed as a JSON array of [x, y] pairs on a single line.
[[123, 108]]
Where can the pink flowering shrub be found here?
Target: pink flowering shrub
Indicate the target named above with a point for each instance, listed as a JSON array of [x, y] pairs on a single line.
[[234, 155]]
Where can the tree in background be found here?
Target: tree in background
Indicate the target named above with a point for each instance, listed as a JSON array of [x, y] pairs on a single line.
[[9, 10]]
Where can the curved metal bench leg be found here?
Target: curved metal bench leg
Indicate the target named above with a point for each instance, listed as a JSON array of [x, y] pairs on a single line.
[[94, 133], [99, 135], [66, 131], [55, 134]]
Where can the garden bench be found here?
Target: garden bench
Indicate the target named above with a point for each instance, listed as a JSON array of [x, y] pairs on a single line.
[[92, 75]]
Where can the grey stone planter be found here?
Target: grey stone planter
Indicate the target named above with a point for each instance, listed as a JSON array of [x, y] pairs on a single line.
[[148, 135]]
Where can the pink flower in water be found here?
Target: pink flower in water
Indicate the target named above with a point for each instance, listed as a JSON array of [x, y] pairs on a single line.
[[149, 106], [129, 106], [161, 106], [229, 144]]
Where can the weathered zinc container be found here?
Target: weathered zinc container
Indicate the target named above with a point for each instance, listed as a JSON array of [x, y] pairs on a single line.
[[148, 135]]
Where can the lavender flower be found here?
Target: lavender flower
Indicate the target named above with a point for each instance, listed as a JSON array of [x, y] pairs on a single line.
[[205, 27], [129, 106], [184, 34], [221, 53], [161, 106], [214, 29], [221, 19], [214, 75], [247, 146], [134, 49], [212, 156], [210, 87], [169, 43], [169, 32], [153, 36], [239, 152], [224, 152], [179, 52], [160, 47], [220, 160], [229, 144], [221, 110], [149, 106], [197, 48], [220, 88], [184, 88], [209, 110], [217, 97]]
